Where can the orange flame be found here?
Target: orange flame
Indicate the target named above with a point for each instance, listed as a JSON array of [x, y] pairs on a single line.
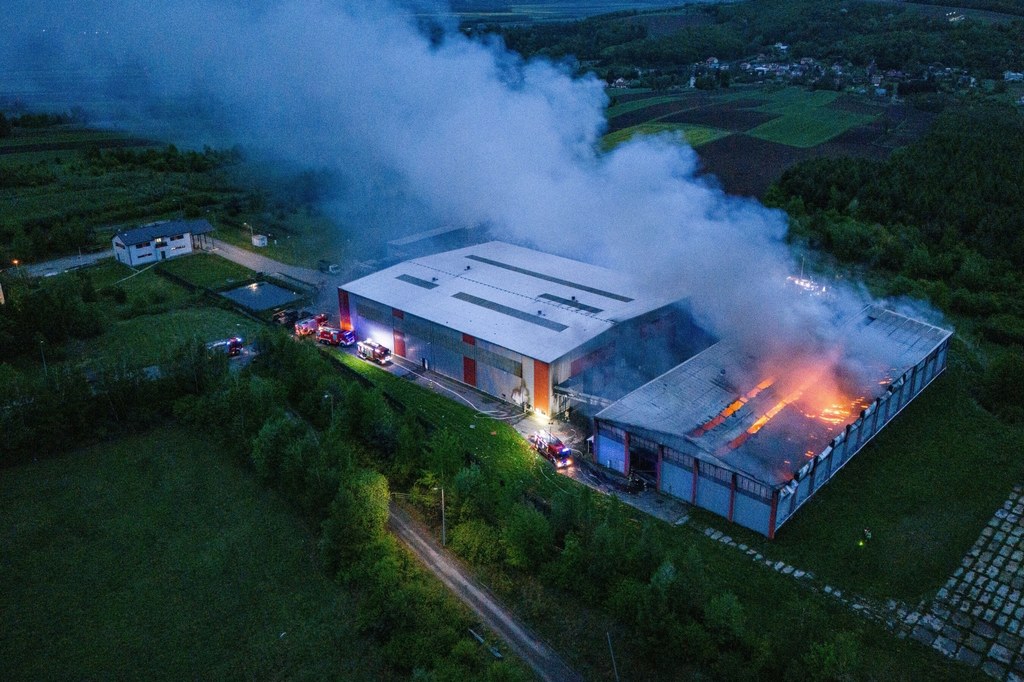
[[732, 408], [818, 394]]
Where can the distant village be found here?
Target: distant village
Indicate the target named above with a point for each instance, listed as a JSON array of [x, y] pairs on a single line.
[[776, 66]]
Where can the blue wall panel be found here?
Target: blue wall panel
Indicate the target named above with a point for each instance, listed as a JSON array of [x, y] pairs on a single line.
[[676, 481], [751, 513], [610, 452], [713, 496]]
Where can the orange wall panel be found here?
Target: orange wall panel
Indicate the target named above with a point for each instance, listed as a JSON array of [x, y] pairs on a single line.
[[541, 386]]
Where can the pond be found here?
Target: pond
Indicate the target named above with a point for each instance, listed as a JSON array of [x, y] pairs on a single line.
[[262, 296]]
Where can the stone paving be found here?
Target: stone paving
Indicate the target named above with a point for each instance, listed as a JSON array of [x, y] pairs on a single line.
[[977, 617]]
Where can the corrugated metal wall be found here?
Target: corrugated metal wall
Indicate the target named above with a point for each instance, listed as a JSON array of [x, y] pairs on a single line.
[[490, 368]]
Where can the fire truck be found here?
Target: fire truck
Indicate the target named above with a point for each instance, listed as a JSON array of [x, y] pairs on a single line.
[[335, 337], [371, 350], [310, 325], [231, 347], [552, 448]]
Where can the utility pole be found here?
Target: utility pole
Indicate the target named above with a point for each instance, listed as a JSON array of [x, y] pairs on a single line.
[[43, 356], [444, 527], [614, 666]]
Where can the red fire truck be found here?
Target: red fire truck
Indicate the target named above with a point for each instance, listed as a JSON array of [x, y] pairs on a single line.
[[335, 337], [552, 448], [310, 325], [230, 347], [371, 350]]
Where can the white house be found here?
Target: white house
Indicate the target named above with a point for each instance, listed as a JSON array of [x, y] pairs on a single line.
[[160, 241]]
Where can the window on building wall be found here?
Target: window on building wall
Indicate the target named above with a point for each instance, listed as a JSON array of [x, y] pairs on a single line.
[[753, 488]]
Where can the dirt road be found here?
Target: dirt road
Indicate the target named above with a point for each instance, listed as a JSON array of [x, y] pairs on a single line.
[[547, 664]]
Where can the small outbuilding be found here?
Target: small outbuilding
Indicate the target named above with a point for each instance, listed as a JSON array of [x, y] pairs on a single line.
[[160, 241]]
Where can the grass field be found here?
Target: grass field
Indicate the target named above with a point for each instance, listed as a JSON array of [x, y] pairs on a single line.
[[149, 339], [804, 120], [800, 118], [153, 558], [695, 135], [209, 271], [299, 238], [65, 136], [156, 318]]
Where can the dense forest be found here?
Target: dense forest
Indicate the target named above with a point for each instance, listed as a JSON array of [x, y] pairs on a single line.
[[942, 219], [891, 36]]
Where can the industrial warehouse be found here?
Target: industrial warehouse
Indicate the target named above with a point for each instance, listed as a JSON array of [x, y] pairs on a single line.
[[704, 421], [507, 320], [754, 448]]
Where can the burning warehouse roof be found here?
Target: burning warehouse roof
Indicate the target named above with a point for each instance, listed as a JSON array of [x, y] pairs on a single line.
[[762, 432]]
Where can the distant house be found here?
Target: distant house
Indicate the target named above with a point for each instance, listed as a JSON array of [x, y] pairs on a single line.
[[160, 241], [1013, 76]]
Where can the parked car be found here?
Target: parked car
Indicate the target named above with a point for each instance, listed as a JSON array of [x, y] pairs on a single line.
[[285, 317], [328, 267]]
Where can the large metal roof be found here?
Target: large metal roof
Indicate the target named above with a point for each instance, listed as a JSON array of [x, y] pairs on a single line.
[[530, 302], [707, 406]]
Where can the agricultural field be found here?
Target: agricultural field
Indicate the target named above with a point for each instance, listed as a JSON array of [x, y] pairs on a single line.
[[498, 12], [156, 557], [67, 189], [747, 136], [695, 135]]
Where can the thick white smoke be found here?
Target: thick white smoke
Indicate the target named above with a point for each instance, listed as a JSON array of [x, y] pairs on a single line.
[[461, 129]]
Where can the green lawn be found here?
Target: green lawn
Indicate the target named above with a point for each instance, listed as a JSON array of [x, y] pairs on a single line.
[[209, 271], [695, 135], [300, 238], [149, 339], [153, 558], [804, 119], [142, 287], [478, 433]]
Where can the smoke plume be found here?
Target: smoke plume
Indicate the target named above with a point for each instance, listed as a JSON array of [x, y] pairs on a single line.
[[431, 127]]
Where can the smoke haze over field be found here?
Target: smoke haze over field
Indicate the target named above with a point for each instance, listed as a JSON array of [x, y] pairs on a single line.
[[442, 130]]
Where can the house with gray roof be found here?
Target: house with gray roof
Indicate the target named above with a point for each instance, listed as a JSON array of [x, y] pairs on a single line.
[[160, 241]]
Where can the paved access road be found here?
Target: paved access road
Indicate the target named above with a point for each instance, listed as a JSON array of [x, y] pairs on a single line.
[[325, 294], [547, 664], [55, 267]]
